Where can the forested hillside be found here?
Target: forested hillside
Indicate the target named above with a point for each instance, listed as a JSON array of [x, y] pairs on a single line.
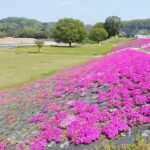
[[23, 27], [138, 26]]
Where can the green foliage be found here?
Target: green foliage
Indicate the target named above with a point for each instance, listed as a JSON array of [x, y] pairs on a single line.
[[98, 34], [89, 27], [13, 26], [39, 44], [48, 27], [136, 26], [99, 25], [2, 34], [139, 144], [32, 33], [113, 25], [69, 31]]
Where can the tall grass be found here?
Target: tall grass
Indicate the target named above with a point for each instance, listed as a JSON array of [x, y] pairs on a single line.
[[139, 144]]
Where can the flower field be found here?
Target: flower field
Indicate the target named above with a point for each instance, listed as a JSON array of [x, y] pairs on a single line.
[[99, 100], [135, 44], [147, 48]]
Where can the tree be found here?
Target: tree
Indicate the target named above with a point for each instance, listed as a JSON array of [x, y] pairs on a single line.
[[98, 34], [39, 44], [99, 25], [69, 31], [113, 25]]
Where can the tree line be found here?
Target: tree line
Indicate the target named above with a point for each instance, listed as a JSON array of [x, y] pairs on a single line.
[[67, 30], [138, 26], [70, 30]]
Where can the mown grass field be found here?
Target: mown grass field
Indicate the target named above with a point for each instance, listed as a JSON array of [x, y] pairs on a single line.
[[85, 49], [22, 65]]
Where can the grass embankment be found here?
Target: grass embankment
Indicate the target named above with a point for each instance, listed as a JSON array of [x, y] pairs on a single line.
[[22, 65]]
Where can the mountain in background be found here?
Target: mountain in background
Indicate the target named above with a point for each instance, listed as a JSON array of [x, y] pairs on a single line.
[[137, 26], [24, 27], [13, 25]]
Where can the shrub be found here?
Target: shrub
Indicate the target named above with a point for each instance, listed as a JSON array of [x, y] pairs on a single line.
[[39, 44]]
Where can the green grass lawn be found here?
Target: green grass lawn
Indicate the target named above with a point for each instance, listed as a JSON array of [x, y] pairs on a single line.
[[86, 49], [22, 65]]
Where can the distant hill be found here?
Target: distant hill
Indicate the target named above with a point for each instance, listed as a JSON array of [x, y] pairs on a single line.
[[138, 26], [12, 25]]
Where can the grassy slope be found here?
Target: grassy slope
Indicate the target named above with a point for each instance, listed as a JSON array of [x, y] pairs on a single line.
[[18, 67]]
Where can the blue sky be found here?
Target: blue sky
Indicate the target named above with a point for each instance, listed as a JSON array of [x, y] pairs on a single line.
[[89, 11]]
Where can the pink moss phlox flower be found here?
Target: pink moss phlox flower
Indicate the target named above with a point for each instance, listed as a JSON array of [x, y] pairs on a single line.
[[80, 107], [3, 146], [104, 116], [120, 124], [145, 110], [52, 134], [38, 118], [38, 144], [93, 109], [140, 100], [114, 127], [136, 118], [57, 95], [102, 97], [90, 117], [56, 107], [114, 104], [83, 132]]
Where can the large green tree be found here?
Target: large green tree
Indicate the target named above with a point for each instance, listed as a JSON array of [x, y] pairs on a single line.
[[98, 34], [113, 25], [69, 31]]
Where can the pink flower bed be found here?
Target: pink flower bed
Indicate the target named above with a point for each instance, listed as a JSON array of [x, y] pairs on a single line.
[[134, 44], [127, 77], [120, 82], [147, 48], [3, 146]]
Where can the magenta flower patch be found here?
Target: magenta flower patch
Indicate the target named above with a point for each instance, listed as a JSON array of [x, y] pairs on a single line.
[[102, 98]]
